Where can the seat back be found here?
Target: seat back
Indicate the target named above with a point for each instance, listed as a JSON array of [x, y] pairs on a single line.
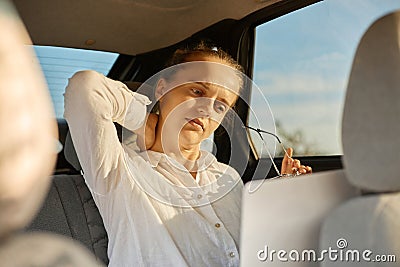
[[368, 226], [69, 210]]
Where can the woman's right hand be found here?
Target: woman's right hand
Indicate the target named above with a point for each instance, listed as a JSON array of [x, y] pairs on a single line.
[[293, 166], [146, 135]]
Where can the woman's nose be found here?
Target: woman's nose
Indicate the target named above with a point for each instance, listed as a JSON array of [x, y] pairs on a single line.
[[205, 106]]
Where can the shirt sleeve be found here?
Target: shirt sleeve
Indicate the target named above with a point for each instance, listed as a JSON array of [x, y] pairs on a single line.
[[92, 103]]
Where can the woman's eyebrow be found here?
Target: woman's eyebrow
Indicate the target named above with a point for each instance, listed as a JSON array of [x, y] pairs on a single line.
[[224, 100], [206, 86], [203, 85]]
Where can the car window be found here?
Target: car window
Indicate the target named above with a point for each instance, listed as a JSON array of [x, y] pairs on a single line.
[[60, 63], [302, 64]]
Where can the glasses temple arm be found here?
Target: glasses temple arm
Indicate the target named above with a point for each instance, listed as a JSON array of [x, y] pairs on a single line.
[[259, 131]]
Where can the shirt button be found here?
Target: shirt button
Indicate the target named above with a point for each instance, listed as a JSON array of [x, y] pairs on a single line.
[[199, 196], [217, 225], [232, 254]]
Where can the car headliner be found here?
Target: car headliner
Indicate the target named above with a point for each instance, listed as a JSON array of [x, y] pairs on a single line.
[[126, 26]]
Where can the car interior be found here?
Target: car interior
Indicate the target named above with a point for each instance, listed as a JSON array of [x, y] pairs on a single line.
[[144, 34]]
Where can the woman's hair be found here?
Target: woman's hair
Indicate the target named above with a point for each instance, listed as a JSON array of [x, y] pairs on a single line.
[[192, 52], [202, 48]]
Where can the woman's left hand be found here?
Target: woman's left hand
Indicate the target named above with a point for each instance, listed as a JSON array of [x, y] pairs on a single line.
[[293, 166]]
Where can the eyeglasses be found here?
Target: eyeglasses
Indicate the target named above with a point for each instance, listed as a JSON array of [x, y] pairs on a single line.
[[260, 132]]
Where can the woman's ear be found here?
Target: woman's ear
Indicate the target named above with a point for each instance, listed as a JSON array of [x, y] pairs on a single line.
[[161, 89]]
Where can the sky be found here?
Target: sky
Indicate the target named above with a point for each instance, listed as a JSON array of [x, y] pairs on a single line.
[[302, 65]]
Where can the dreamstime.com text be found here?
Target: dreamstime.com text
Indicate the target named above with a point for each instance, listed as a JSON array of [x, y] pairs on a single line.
[[340, 253]]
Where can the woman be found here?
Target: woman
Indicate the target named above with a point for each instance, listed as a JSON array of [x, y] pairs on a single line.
[[171, 204]]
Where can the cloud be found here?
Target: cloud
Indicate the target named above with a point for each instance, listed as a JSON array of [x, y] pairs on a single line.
[[321, 74], [295, 83], [308, 98], [320, 122]]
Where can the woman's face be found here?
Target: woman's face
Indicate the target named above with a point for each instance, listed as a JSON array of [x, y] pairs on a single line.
[[193, 107]]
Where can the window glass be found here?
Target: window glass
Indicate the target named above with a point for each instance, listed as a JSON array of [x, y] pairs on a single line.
[[60, 63], [302, 64]]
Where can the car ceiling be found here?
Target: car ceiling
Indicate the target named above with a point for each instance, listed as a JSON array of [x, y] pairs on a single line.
[[126, 26]]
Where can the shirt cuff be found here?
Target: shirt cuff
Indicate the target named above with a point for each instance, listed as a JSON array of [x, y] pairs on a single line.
[[136, 113]]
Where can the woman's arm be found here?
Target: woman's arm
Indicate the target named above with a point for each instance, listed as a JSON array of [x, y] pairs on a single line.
[[92, 103]]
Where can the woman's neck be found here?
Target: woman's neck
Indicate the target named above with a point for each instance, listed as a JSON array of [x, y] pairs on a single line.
[[186, 154]]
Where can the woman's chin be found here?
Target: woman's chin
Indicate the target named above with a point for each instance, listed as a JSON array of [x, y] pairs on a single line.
[[191, 137]]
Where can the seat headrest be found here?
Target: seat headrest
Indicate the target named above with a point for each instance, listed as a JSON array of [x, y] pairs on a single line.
[[70, 153], [371, 118]]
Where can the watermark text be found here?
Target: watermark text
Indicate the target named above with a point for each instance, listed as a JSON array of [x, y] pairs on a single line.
[[340, 253]]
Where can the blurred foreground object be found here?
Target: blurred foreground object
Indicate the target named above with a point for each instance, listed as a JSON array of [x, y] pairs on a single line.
[[27, 126], [27, 154]]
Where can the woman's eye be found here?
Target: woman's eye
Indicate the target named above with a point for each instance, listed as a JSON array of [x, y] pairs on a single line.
[[197, 91], [220, 108]]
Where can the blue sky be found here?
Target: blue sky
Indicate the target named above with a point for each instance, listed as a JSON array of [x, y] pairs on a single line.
[[303, 61]]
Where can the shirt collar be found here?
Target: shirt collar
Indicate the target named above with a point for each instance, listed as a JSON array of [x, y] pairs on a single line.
[[154, 158]]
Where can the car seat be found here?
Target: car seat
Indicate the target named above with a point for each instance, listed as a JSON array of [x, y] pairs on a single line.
[[370, 134]]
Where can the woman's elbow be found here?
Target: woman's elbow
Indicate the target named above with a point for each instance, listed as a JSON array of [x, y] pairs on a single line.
[[81, 90], [82, 81]]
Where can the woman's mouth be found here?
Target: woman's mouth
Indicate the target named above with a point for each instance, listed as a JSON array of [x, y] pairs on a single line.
[[196, 123]]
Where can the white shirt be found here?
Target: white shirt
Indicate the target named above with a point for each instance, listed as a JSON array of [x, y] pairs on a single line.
[[154, 212]]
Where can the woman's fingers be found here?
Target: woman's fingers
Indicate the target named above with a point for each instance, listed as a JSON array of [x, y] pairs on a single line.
[[293, 166], [289, 152], [304, 169], [296, 164], [287, 162], [287, 156], [309, 169]]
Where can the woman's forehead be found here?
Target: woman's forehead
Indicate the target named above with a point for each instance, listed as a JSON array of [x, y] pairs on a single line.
[[208, 73]]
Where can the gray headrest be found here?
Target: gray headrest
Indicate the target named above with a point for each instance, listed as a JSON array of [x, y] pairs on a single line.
[[70, 153], [371, 118]]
